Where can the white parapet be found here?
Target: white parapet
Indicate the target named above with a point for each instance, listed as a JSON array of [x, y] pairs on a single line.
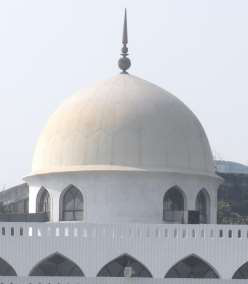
[[91, 246]]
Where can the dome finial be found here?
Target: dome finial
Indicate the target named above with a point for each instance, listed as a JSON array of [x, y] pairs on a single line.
[[124, 62]]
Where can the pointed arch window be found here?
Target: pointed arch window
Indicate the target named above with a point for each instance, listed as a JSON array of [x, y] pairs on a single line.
[[203, 206], [124, 266], [72, 205], [174, 206], [56, 265], [191, 267], [44, 201]]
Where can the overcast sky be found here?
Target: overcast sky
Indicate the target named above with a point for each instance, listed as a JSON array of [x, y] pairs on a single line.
[[198, 50]]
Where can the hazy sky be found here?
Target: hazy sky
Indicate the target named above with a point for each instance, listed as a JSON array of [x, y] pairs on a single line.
[[198, 50]]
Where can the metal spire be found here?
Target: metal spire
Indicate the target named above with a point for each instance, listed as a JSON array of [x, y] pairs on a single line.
[[124, 62], [124, 36]]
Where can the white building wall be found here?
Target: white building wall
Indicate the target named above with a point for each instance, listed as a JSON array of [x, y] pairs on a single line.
[[123, 214], [90, 246]]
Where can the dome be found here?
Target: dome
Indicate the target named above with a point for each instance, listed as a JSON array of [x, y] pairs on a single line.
[[124, 123]]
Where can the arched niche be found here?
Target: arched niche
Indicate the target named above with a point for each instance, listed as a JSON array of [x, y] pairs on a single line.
[[6, 269], [56, 265], [43, 202], [71, 204], [192, 267], [174, 205], [124, 266], [203, 206], [242, 272]]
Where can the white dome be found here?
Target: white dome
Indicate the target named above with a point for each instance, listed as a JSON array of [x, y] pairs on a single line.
[[124, 123]]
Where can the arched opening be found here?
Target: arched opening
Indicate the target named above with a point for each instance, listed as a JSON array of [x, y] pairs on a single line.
[[174, 206], [6, 269], [56, 265], [242, 272], [72, 204], [43, 202], [203, 206], [191, 267], [124, 266]]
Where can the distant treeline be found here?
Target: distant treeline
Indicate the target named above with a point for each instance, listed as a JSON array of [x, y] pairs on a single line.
[[233, 199]]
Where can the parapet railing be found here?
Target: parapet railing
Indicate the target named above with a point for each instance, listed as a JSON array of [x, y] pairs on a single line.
[[123, 231]]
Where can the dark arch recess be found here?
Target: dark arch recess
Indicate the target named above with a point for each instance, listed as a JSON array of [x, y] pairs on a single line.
[[174, 205], [43, 202], [6, 269], [242, 272], [191, 267], [116, 267], [202, 205], [56, 265], [72, 204]]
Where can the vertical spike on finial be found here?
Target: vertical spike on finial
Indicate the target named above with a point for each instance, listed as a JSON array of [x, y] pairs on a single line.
[[124, 36], [124, 62]]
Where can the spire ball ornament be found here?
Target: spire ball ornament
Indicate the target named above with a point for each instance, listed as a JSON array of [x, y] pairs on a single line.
[[124, 62]]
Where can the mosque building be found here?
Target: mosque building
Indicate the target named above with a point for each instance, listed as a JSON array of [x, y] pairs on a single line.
[[123, 184]]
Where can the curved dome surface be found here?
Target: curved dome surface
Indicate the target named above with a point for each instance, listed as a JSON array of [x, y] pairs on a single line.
[[123, 123]]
